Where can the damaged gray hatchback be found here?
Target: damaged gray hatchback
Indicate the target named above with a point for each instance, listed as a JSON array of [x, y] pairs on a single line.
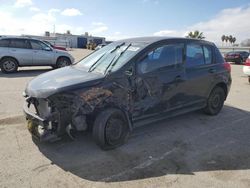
[[126, 84]]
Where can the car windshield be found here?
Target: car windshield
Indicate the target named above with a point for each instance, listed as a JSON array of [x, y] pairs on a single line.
[[109, 58]]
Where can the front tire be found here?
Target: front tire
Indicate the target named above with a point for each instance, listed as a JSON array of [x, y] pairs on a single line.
[[215, 101], [62, 62], [110, 129], [8, 65]]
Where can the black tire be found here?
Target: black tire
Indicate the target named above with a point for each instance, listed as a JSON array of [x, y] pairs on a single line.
[[8, 65], [62, 62], [215, 101], [110, 129], [249, 79]]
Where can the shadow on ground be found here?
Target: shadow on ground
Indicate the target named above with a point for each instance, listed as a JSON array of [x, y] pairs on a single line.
[[182, 145], [26, 73]]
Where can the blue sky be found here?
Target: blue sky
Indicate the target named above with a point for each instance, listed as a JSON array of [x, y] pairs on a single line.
[[121, 19]]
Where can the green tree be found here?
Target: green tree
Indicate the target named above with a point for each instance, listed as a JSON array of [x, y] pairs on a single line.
[[196, 35]]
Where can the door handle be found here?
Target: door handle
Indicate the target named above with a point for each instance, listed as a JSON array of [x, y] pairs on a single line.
[[178, 79], [212, 70]]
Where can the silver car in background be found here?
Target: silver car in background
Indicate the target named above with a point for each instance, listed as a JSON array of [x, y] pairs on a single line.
[[19, 51]]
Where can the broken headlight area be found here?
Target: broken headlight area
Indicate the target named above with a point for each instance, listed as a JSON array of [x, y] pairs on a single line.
[[48, 119], [42, 119]]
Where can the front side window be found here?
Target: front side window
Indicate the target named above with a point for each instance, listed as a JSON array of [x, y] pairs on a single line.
[[37, 45], [163, 56], [19, 43]]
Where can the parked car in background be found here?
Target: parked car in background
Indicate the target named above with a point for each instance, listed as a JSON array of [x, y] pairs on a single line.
[[238, 57], [246, 68], [18, 52], [55, 47], [100, 46], [126, 84]]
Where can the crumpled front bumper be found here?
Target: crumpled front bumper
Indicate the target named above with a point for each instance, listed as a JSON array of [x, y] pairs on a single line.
[[37, 126]]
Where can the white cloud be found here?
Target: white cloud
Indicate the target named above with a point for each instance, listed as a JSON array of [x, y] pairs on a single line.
[[71, 12], [171, 33], [36, 25], [98, 28], [23, 3], [233, 21], [34, 9], [156, 2]]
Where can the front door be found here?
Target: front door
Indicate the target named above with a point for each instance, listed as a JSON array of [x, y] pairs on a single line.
[[41, 56], [160, 81]]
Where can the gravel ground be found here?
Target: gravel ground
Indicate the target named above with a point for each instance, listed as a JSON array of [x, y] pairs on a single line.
[[192, 150]]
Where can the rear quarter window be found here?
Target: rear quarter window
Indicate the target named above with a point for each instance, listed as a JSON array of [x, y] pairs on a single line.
[[218, 56]]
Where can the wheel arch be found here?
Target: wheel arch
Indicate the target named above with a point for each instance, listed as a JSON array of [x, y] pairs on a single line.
[[63, 56], [97, 111], [223, 86], [4, 57]]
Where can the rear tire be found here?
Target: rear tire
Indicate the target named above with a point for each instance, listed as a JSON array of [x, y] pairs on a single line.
[[110, 129], [249, 79], [215, 101], [8, 65], [62, 62]]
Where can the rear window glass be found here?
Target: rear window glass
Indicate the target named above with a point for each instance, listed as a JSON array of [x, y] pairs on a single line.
[[4, 43]]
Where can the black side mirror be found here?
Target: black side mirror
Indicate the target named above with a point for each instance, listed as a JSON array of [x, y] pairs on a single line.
[[129, 72]]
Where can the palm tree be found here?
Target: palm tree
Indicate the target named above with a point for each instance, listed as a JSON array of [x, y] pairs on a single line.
[[196, 35], [230, 39], [223, 39], [226, 39], [233, 40]]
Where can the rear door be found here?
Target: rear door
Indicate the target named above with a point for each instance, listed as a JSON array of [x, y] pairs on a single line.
[[160, 80], [41, 54], [200, 71], [21, 50]]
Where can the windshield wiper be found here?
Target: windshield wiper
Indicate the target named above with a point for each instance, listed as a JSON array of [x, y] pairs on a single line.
[[115, 60], [92, 67]]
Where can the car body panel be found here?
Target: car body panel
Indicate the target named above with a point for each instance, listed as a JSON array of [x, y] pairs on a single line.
[[143, 97]]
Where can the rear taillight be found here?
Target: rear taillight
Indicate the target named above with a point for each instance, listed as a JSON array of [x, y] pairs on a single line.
[[247, 62], [227, 66]]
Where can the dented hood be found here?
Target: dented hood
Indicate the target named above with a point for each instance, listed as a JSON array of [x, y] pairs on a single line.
[[63, 79]]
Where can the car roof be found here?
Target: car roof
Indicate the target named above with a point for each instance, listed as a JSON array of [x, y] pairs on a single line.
[[8, 37], [151, 40]]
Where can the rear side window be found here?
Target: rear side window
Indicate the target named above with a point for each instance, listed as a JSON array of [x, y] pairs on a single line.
[[4, 43], [162, 56], [194, 55], [197, 55], [19, 43]]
